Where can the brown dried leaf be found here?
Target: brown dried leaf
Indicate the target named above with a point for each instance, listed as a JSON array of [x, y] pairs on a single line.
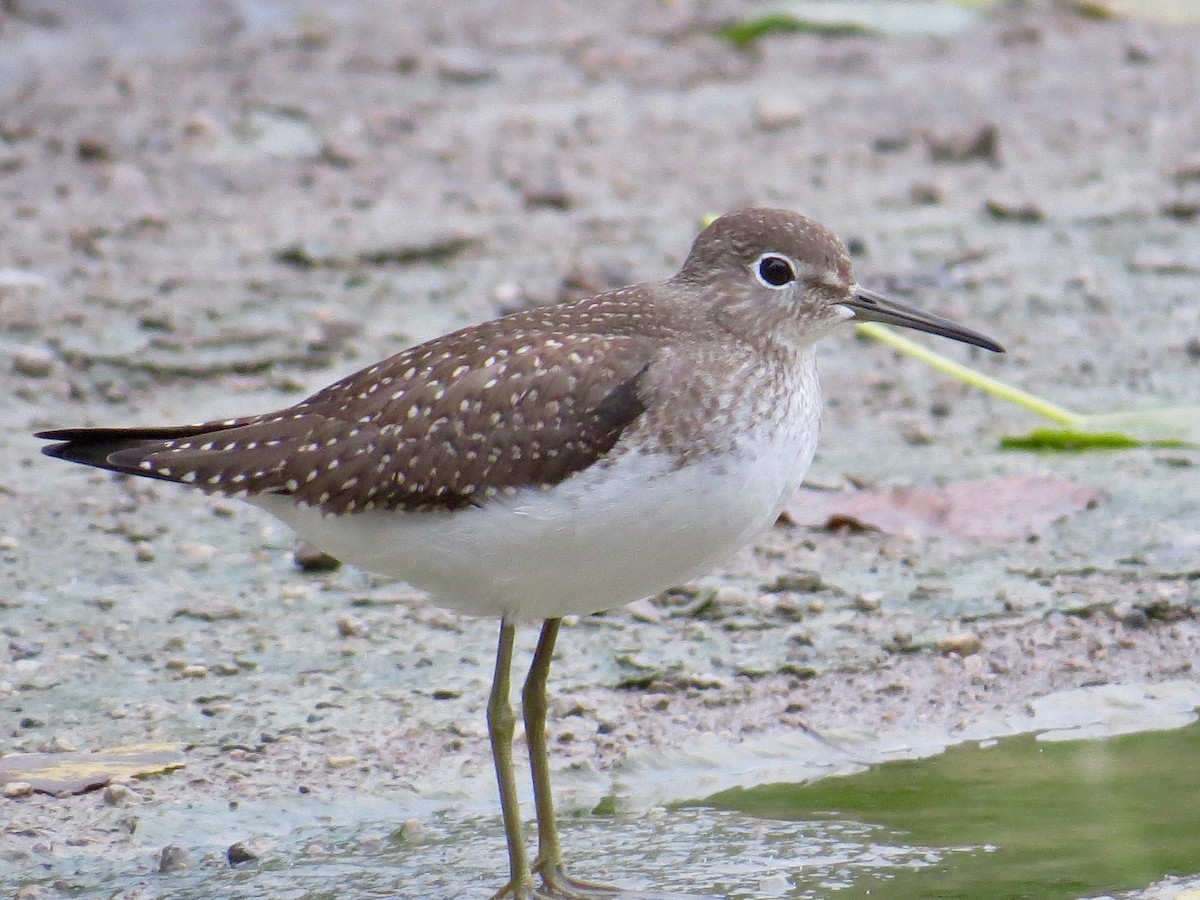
[[991, 510]]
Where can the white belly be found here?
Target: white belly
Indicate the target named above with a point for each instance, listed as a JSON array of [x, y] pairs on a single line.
[[603, 537]]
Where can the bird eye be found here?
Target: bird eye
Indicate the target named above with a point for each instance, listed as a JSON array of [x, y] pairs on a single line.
[[775, 271]]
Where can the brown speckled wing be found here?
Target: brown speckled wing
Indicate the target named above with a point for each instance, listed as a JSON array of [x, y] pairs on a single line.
[[523, 401]]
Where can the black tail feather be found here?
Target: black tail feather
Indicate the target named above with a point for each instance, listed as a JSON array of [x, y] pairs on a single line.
[[95, 446]]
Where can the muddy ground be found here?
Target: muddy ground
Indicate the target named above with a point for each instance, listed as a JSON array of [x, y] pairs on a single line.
[[209, 212]]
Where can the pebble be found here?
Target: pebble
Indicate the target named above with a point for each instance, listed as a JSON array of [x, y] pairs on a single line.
[[982, 142], [868, 601], [14, 789], [193, 551], [340, 762], [193, 671], [349, 626], [547, 192], [799, 582], [644, 610], [1183, 210], [1134, 617], [33, 362], [964, 643], [312, 559], [411, 828], [924, 193], [1006, 210], [731, 598], [1158, 261], [464, 66], [117, 794], [1142, 50], [173, 858], [917, 435], [239, 853], [777, 113]]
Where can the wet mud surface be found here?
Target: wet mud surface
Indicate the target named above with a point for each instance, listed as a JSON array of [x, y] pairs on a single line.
[[214, 217]]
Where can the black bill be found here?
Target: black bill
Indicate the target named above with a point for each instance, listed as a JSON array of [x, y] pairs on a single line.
[[869, 306]]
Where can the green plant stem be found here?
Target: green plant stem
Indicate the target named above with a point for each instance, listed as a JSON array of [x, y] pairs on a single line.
[[993, 386]]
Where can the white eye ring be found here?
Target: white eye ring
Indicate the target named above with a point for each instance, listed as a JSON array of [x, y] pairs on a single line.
[[775, 271]]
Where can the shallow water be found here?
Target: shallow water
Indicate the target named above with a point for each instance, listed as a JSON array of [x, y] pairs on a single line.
[[1020, 817]]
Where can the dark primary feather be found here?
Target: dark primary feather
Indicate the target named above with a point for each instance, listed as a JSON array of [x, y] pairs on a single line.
[[523, 401]]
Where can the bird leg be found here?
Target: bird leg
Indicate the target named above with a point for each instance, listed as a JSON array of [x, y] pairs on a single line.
[[549, 862], [501, 726]]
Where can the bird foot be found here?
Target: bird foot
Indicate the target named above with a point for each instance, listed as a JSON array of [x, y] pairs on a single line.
[[558, 885]]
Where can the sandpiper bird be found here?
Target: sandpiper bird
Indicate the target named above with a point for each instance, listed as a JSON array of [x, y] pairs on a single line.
[[561, 460]]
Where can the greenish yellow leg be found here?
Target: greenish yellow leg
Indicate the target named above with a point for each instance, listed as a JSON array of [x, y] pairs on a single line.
[[535, 706], [549, 862], [501, 726]]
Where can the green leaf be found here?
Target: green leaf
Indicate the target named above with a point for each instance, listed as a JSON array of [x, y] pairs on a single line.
[[1065, 440], [745, 34]]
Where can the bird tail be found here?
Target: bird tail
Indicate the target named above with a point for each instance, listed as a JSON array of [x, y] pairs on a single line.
[[108, 448]]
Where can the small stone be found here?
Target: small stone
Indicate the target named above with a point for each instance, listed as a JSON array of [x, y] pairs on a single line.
[[464, 66], [1004, 210], [8, 542], [340, 762], [1185, 171], [982, 142], [200, 124], [33, 362], [194, 551], [193, 671], [644, 610], [410, 829], [57, 745], [1135, 618], [1143, 50], [173, 859], [777, 113], [1192, 348], [92, 149], [924, 193], [731, 598], [964, 643], [868, 601], [143, 554], [240, 852], [348, 626], [547, 192], [1160, 261], [117, 794], [508, 295], [917, 435], [1183, 210], [801, 581], [25, 650], [310, 559], [15, 789]]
